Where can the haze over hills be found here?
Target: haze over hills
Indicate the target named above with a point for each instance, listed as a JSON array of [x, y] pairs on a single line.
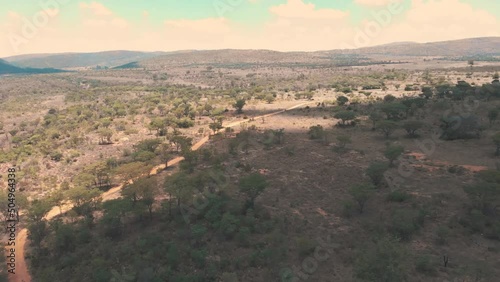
[[451, 49]]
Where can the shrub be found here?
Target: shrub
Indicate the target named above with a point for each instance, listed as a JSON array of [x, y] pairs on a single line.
[[405, 223], [376, 172], [426, 265], [305, 246], [398, 196], [345, 116], [442, 234], [342, 100], [386, 261], [347, 209], [316, 132]]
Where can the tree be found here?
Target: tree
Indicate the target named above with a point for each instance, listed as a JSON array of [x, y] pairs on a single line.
[[376, 172], [239, 104], [252, 185], [343, 141], [392, 153], [496, 140], [135, 190], [389, 98], [493, 115], [57, 198], [132, 170], [375, 117], [361, 193], [387, 127], [460, 127], [411, 127], [216, 125], [164, 152], [342, 100], [85, 200], [345, 116], [270, 98], [394, 110], [496, 76], [37, 225], [180, 187]]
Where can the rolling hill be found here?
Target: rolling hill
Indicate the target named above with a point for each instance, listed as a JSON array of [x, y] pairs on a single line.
[[463, 48], [6, 68], [80, 60]]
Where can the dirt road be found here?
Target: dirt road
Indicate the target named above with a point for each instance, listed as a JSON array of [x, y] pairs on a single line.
[[22, 274]]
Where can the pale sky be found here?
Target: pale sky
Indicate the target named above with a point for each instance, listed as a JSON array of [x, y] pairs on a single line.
[[53, 26]]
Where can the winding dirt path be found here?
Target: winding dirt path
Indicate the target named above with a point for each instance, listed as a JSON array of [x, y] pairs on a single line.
[[21, 272]]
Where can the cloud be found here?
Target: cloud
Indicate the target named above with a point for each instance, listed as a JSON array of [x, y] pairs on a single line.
[[441, 20], [299, 9], [96, 8], [376, 2], [294, 25]]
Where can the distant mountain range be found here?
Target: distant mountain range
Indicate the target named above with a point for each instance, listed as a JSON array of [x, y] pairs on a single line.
[[464, 48], [6, 68]]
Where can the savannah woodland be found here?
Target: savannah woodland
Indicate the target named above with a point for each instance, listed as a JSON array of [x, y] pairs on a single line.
[[227, 166]]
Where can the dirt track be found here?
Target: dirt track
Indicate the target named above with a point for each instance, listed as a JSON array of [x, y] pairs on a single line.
[[22, 274]]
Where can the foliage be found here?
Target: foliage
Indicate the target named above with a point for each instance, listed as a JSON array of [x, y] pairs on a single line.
[[376, 172], [361, 193]]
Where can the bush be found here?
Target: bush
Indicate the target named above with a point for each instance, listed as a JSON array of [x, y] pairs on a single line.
[[342, 100], [345, 116], [426, 265], [316, 132], [305, 246], [442, 234], [398, 196], [376, 172], [405, 223], [386, 261], [348, 209]]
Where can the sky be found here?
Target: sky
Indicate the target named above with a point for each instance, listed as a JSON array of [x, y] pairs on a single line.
[[55, 26]]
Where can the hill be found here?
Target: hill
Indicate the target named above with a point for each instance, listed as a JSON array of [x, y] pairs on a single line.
[[80, 60], [472, 47], [6, 68]]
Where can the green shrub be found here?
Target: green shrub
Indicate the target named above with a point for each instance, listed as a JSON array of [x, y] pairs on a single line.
[[305, 246], [398, 196]]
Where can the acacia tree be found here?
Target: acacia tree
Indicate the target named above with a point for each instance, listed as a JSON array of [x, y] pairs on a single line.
[[361, 193], [393, 152], [411, 127], [387, 127], [252, 185], [180, 187], [239, 104]]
